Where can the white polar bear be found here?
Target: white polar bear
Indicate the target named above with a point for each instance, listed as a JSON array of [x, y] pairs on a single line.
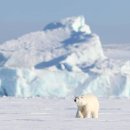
[[88, 106]]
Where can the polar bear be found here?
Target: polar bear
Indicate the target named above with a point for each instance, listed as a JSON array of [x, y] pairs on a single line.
[[88, 106]]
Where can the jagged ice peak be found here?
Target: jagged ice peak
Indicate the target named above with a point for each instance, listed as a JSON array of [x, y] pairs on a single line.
[[76, 24]]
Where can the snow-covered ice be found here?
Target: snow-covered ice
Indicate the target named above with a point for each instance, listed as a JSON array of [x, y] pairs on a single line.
[[117, 51], [59, 114]]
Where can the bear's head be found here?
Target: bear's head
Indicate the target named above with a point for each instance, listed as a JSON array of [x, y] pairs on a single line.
[[80, 101]]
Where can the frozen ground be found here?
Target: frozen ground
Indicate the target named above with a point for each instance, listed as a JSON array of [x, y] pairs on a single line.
[[59, 114]]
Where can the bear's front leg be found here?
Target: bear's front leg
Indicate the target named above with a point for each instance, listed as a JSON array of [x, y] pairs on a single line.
[[79, 114]]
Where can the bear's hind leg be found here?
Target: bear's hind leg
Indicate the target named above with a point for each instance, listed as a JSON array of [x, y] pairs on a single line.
[[95, 115], [88, 115]]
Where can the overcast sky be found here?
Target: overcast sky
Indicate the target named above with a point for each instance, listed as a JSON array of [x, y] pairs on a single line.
[[110, 19]]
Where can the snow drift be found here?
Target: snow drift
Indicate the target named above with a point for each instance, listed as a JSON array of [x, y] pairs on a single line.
[[64, 59]]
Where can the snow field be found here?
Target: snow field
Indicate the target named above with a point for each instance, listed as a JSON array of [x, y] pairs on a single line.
[[59, 114]]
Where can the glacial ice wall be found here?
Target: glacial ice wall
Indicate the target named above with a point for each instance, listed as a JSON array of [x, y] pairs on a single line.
[[31, 82]]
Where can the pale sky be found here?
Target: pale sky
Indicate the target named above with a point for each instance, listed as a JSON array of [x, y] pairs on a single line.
[[110, 19]]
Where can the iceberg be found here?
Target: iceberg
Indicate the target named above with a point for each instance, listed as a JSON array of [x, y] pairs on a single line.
[[64, 59]]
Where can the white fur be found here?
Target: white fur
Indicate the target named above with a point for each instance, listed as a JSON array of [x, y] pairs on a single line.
[[88, 106]]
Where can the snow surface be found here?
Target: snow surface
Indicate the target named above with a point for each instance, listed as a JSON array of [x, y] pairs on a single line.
[[117, 51], [62, 60], [59, 114]]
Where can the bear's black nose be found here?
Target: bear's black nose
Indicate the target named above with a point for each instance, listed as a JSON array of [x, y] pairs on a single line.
[[74, 100]]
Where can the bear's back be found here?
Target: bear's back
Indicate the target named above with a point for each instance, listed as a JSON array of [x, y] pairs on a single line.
[[92, 99]]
